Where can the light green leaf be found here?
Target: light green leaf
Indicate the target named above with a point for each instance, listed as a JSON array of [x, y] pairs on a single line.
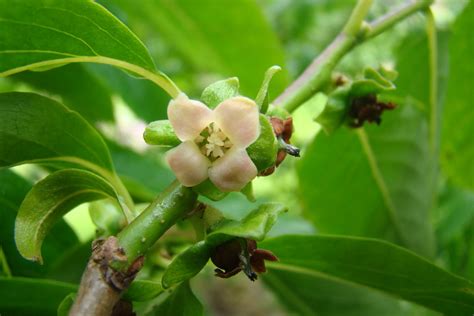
[[13, 190], [375, 264], [454, 214], [457, 145], [80, 90], [44, 34], [216, 39], [49, 200], [254, 226], [180, 302], [376, 181], [35, 297]]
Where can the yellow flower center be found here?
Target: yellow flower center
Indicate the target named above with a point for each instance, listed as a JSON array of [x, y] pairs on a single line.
[[213, 142]]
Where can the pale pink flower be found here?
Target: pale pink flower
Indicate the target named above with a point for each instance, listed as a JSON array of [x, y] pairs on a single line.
[[214, 142]]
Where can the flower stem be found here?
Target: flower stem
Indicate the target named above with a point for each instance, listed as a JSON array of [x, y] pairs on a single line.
[[354, 33], [155, 220]]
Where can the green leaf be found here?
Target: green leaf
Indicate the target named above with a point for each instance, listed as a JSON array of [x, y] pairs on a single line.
[[23, 296], [375, 264], [143, 290], [143, 174], [142, 96], [80, 90], [457, 145], [107, 216], [181, 302], [66, 304], [308, 295], [216, 39], [13, 190], [254, 226], [49, 200], [49, 33], [219, 91], [375, 181], [187, 264], [455, 213], [37, 129]]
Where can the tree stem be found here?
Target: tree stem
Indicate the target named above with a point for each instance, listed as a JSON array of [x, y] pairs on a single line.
[[155, 220], [354, 33]]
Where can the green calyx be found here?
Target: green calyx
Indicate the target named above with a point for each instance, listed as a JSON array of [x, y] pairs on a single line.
[[372, 82], [161, 133], [263, 151]]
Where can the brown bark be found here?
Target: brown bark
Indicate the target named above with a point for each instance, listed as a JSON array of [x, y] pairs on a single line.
[[101, 286]]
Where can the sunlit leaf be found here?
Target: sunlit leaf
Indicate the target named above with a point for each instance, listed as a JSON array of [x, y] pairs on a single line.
[[44, 34]]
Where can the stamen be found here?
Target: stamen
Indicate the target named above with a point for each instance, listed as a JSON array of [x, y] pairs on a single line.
[[213, 142]]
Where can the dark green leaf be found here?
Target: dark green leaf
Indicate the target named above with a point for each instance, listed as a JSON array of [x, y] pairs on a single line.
[[376, 181], [216, 39], [80, 90], [458, 119], [143, 290], [43, 34], [37, 129], [23, 297], [375, 264], [49, 200], [187, 264], [308, 295], [181, 302], [13, 190]]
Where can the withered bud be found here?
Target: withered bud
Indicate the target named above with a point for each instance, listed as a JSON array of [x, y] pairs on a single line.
[[367, 108], [231, 258]]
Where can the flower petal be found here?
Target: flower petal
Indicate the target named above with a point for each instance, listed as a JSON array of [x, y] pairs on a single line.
[[188, 164], [239, 119], [233, 171], [188, 117]]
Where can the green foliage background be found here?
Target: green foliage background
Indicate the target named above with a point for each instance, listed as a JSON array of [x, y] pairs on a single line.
[[409, 181]]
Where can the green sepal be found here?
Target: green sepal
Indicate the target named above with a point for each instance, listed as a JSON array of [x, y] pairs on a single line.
[[247, 191], [278, 111], [263, 151], [219, 91], [262, 96], [209, 190], [254, 226], [372, 82], [161, 133]]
